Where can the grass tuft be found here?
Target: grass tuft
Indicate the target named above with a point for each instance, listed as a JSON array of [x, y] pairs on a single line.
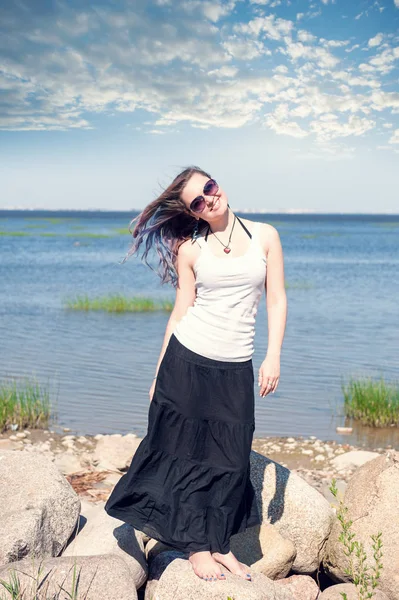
[[24, 403], [118, 304], [373, 403]]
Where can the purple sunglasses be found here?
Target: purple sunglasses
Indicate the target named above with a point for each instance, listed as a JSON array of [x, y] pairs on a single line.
[[210, 189]]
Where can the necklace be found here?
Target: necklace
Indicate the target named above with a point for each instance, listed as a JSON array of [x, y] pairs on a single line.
[[227, 248]]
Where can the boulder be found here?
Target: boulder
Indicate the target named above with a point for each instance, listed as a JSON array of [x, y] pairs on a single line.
[[353, 459], [39, 509], [372, 499], [265, 550], [173, 578], [298, 511], [154, 547], [100, 534], [334, 593], [99, 577], [302, 587], [114, 452]]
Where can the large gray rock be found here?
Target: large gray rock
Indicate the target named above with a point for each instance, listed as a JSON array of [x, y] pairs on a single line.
[[265, 550], [298, 511], [39, 509], [334, 593], [99, 577], [353, 459], [115, 452], [173, 578], [102, 534], [302, 587], [372, 499]]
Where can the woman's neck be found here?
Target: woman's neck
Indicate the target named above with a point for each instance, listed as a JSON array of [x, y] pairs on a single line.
[[223, 222]]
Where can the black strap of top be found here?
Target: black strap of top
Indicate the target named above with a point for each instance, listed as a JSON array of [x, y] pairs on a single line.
[[238, 218]]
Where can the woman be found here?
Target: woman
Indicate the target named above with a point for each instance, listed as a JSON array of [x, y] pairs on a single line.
[[188, 484]]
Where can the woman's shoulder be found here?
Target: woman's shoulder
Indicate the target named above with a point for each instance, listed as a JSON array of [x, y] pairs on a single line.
[[263, 227]]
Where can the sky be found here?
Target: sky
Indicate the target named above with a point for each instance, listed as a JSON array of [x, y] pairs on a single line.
[[291, 105]]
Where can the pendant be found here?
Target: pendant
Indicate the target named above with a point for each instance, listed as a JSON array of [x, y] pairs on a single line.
[[227, 250]]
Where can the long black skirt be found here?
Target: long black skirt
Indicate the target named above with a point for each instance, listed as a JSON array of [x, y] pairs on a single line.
[[188, 484]]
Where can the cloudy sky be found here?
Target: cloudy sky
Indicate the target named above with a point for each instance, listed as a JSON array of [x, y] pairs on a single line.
[[290, 104]]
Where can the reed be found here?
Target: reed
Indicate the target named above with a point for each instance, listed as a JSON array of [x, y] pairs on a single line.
[[14, 233], [118, 303], [24, 403], [88, 234], [373, 403]]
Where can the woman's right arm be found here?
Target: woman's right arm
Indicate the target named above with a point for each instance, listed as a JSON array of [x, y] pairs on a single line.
[[185, 297]]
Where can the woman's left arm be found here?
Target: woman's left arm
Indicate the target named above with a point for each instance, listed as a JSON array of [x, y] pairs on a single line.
[[276, 303]]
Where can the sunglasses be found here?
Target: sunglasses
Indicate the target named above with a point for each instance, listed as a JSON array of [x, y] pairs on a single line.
[[210, 189]]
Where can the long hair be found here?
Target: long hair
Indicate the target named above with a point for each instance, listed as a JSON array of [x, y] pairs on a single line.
[[164, 225]]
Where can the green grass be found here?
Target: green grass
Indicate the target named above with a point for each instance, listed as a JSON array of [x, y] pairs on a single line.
[[88, 234], [24, 403], [15, 233], [373, 403], [121, 230], [118, 303]]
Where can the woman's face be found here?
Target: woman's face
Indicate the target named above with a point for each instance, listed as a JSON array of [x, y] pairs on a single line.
[[215, 205]]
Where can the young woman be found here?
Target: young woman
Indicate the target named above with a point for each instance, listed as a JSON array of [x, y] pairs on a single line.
[[188, 484]]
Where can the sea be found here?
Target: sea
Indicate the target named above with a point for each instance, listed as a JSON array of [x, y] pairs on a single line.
[[342, 278]]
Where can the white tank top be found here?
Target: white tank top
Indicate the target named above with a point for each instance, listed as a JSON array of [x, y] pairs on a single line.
[[221, 323]]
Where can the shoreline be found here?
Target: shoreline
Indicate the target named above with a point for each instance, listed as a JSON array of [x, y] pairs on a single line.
[[94, 463]]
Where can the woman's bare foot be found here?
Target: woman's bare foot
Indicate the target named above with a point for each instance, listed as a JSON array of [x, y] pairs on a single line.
[[232, 564], [205, 566]]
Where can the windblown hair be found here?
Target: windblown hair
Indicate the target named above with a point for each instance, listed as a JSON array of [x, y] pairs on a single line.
[[164, 225]]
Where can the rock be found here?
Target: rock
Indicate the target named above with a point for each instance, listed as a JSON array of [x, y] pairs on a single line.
[[319, 458], [353, 459], [100, 577], [265, 550], [334, 592], [302, 587], [173, 578], [39, 509], [372, 499], [101, 534], [67, 463], [154, 547], [297, 510], [344, 429], [114, 453]]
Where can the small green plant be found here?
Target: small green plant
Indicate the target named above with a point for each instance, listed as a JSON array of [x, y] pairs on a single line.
[[24, 403], [118, 304], [354, 550], [15, 591], [374, 403]]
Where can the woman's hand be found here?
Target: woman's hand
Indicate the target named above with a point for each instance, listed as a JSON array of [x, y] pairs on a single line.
[[269, 373], [152, 388]]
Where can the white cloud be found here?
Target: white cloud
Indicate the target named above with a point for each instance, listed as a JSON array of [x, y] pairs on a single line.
[[271, 26], [376, 40], [328, 129], [394, 139], [305, 36], [396, 3], [243, 49]]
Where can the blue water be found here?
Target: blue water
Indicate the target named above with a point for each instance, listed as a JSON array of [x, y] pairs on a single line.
[[343, 319]]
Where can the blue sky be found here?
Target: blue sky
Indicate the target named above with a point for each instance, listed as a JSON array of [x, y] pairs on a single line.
[[290, 104]]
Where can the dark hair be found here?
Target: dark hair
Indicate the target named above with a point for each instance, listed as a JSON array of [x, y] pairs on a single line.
[[165, 224]]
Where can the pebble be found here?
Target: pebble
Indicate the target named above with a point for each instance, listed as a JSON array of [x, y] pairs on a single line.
[[344, 429], [20, 435], [64, 429], [319, 458], [308, 451], [290, 440]]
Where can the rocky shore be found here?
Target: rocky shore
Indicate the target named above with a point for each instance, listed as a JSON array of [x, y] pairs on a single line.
[[291, 477]]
